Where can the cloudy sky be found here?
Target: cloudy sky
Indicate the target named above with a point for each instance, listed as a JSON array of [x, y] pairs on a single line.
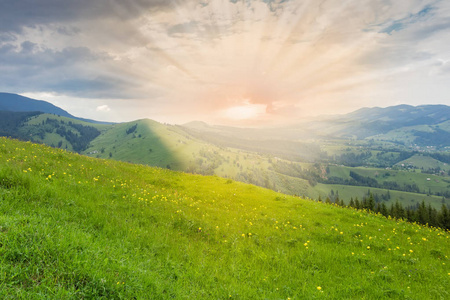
[[235, 62]]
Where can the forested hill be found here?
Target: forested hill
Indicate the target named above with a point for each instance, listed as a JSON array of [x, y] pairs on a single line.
[[55, 131]]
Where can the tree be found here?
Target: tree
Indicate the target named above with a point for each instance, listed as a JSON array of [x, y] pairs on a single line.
[[422, 213], [351, 203], [432, 216], [371, 203], [377, 208], [444, 217], [357, 204], [383, 210], [399, 210], [337, 200]]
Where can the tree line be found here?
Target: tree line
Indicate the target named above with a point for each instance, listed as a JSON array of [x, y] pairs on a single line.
[[419, 213]]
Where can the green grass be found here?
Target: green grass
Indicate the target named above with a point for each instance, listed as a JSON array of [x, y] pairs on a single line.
[[435, 184], [37, 120], [171, 146], [404, 134], [75, 227], [425, 162], [35, 124], [145, 145]]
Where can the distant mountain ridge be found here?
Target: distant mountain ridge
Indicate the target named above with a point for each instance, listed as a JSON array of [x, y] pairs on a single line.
[[373, 121], [360, 124], [406, 114], [424, 124], [18, 103]]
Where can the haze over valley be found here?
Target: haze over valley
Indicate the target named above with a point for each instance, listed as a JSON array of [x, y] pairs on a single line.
[[397, 154]]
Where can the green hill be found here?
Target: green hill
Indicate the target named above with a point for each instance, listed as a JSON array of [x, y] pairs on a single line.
[[50, 129], [75, 227], [174, 147]]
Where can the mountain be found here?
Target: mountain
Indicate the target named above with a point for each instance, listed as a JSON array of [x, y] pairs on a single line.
[[367, 122], [428, 125], [404, 115], [17, 103]]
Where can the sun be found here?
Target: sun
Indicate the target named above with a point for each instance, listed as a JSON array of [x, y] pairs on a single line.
[[246, 111]]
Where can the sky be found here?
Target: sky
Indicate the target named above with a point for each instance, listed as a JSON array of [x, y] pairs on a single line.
[[231, 62]]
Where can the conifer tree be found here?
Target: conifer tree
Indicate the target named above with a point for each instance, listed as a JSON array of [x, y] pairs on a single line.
[[352, 203], [377, 208], [392, 211], [357, 204], [384, 210], [432, 216], [371, 202], [364, 203], [410, 216], [444, 217], [399, 211], [422, 213], [337, 200]]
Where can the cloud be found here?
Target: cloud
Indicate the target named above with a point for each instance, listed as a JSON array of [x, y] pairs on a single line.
[[198, 58], [72, 70], [401, 24], [103, 108], [28, 47], [15, 15], [184, 28]]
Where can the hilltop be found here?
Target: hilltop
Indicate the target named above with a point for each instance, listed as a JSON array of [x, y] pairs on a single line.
[[77, 227]]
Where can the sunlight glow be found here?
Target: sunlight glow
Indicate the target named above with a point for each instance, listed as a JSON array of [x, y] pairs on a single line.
[[178, 61], [245, 112]]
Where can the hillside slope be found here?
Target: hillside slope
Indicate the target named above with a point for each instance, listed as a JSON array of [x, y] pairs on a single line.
[[50, 129], [75, 227]]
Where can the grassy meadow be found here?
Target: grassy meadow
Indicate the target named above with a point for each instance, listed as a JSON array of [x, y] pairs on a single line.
[[74, 227]]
